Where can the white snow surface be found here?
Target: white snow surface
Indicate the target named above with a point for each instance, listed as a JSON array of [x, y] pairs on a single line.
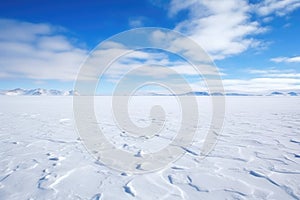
[[256, 157]]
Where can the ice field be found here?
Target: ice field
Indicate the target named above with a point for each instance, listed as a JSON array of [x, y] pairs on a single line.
[[257, 156]]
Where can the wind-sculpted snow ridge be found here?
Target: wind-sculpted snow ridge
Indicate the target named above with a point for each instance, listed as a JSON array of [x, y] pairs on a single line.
[[256, 156]]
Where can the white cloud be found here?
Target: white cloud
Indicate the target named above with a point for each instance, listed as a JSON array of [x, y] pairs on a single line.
[[42, 52], [275, 73], [267, 79], [286, 59], [37, 51], [285, 75], [225, 28], [54, 43], [136, 22], [271, 71], [152, 62], [263, 71], [23, 31], [252, 86], [222, 28], [277, 7], [261, 84]]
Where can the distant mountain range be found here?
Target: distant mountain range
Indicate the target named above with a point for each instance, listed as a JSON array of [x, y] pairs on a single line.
[[52, 92], [275, 93], [37, 92]]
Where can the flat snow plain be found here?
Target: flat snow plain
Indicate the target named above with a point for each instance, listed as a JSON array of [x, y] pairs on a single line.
[[256, 157]]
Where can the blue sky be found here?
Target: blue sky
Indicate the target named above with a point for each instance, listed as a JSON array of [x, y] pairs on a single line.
[[255, 44]]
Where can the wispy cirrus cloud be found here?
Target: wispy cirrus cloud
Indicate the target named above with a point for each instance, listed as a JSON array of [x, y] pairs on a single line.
[[136, 22], [275, 73], [223, 28], [277, 7], [261, 84], [151, 63], [295, 59], [41, 51], [227, 28], [37, 51]]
